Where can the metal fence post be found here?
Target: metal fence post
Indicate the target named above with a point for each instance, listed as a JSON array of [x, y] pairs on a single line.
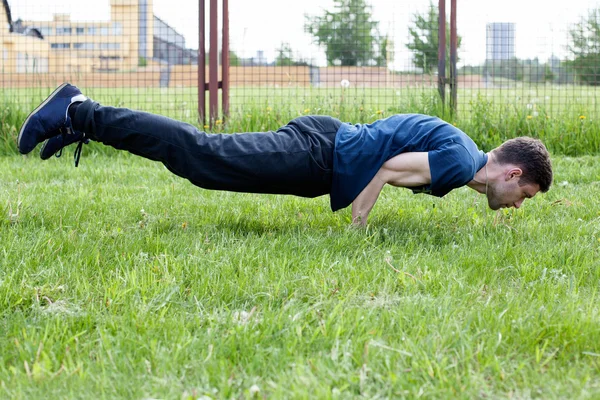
[[214, 84], [442, 50], [202, 64], [225, 60], [453, 57], [213, 64]]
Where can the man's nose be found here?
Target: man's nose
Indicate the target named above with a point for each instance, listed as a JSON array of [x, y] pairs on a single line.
[[518, 203]]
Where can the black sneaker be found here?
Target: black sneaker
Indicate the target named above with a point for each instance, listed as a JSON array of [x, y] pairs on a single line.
[[49, 119]]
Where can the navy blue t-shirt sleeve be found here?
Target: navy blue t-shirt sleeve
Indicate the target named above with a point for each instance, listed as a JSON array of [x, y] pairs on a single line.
[[451, 167]]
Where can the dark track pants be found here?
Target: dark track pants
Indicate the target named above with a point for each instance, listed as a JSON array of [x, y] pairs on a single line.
[[296, 159]]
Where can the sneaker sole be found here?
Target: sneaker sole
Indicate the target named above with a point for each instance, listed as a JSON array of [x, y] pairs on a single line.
[[42, 149], [52, 95]]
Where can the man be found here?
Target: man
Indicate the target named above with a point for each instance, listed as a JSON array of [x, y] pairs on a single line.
[[309, 157]]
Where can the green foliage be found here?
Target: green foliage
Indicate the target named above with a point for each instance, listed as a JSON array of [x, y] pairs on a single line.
[[234, 59], [568, 126], [285, 57], [585, 48], [533, 71], [349, 35], [424, 40], [549, 75], [11, 118], [142, 62], [119, 280]]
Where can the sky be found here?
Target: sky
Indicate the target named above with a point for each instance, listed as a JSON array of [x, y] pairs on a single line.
[[263, 25]]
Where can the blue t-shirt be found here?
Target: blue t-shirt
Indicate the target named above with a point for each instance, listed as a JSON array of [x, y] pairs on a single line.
[[361, 150]]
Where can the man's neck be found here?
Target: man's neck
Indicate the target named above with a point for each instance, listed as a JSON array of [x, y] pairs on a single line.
[[481, 178]]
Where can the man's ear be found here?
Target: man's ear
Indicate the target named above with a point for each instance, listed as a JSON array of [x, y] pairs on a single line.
[[513, 173]]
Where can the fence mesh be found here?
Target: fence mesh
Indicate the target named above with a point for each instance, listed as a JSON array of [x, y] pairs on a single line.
[[354, 59]]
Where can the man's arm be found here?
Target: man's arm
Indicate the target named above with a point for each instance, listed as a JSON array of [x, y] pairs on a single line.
[[403, 170]]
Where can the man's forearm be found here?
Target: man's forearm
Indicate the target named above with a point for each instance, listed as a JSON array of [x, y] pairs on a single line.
[[364, 202]]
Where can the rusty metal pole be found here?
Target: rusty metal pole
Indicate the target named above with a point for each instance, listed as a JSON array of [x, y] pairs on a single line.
[[442, 50], [202, 65], [453, 58], [225, 60], [213, 64]]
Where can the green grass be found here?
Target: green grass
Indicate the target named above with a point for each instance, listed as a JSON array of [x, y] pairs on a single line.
[[564, 117], [120, 280]]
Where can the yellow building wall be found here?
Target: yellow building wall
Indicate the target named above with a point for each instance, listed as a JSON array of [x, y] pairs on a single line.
[[127, 12], [125, 58], [23, 54], [3, 20]]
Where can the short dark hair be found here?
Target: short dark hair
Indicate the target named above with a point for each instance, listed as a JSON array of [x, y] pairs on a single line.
[[531, 156]]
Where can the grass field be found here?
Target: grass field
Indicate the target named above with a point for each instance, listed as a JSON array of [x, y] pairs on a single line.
[[120, 280]]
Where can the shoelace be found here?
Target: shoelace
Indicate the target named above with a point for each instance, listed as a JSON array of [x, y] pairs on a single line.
[[78, 149]]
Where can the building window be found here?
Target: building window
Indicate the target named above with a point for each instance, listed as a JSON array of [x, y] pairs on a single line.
[[41, 65], [45, 31], [104, 31], [142, 29], [60, 46], [31, 64], [91, 30], [117, 29], [80, 30], [110, 46], [83, 46], [62, 30]]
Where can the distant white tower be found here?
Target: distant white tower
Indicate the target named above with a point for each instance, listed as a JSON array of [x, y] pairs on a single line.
[[500, 41]]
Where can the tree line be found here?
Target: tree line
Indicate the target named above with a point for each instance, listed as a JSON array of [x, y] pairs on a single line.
[[350, 36]]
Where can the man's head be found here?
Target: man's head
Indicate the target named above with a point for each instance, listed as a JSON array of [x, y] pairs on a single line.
[[523, 169]]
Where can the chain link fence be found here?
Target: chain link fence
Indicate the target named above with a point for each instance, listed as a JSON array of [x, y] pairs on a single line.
[[353, 59]]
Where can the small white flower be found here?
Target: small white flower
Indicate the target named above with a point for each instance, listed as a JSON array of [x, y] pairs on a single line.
[[254, 390], [345, 83]]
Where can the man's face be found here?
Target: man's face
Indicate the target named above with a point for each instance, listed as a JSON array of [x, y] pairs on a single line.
[[507, 193]]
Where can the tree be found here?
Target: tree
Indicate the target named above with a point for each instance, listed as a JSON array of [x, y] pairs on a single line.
[[285, 57], [548, 74], [234, 59], [349, 35], [585, 47], [424, 40]]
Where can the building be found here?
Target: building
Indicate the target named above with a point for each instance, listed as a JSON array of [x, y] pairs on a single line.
[[133, 37], [20, 51], [500, 41]]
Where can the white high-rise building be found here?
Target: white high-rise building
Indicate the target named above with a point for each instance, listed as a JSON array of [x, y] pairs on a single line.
[[500, 41]]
